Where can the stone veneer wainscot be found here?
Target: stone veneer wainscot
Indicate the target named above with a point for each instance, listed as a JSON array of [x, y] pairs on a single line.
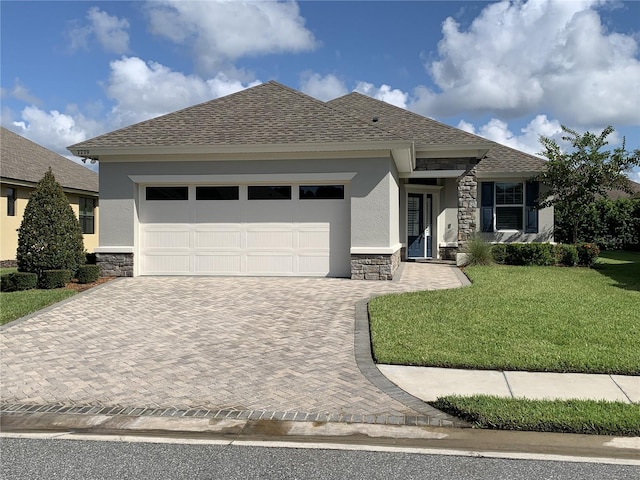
[[115, 264], [374, 267]]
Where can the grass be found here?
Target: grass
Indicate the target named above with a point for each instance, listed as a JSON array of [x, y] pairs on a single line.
[[519, 318], [565, 416], [18, 304]]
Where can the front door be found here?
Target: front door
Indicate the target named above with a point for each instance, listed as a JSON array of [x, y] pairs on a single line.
[[419, 225]]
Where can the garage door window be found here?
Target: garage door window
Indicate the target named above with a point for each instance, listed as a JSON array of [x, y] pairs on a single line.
[[217, 193], [167, 193], [263, 192], [322, 192]]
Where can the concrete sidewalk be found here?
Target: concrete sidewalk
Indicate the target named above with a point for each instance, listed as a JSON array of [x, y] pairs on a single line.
[[428, 383]]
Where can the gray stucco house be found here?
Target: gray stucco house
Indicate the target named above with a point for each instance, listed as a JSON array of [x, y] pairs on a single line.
[[269, 181]]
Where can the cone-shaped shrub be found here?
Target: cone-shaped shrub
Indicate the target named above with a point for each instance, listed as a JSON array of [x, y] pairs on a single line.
[[49, 237]]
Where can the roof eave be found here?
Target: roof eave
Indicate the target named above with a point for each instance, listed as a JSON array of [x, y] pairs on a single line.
[[95, 153], [474, 150]]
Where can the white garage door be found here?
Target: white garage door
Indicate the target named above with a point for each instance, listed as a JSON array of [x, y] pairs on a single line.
[[296, 230]]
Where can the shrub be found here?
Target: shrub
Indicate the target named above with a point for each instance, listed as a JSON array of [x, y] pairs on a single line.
[[18, 281], [49, 237], [530, 254], [6, 283], [54, 278], [499, 253], [25, 280], [612, 224], [477, 251], [587, 254], [566, 255], [88, 273], [91, 259]]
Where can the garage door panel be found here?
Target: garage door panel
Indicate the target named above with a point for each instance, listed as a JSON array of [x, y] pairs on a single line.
[[229, 263], [313, 264], [222, 238], [270, 263], [166, 238], [167, 264], [270, 238]]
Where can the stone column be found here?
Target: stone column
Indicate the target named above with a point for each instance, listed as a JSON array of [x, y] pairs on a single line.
[[467, 205]]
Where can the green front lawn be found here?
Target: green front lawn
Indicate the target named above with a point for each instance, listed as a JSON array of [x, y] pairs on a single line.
[[566, 416], [519, 318], [14, 305]]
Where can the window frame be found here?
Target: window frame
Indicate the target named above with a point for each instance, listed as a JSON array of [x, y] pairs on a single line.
[[182, 188], [252, 196], [85, 217], [222, 188], [506, 206], [11, 201], [339, 188]]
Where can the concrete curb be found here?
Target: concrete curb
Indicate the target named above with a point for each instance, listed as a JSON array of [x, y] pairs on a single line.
[[364, 360], [474, 442]]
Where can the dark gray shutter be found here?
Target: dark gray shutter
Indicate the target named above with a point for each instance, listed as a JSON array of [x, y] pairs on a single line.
[[486, 206], [531, 207]]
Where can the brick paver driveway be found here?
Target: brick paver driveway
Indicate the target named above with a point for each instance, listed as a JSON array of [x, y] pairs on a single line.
[[275, 344]]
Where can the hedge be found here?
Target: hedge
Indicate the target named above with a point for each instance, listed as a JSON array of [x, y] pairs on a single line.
[[88, 273], [545, 254], [54, 278], [18, 281]]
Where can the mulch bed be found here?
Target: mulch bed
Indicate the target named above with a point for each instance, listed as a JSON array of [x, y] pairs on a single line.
[[81, 287]]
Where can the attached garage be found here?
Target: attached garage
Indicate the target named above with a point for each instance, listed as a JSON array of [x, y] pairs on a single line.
[[244, 229]]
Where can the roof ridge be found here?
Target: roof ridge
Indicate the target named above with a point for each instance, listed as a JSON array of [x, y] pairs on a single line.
[[334, 109]]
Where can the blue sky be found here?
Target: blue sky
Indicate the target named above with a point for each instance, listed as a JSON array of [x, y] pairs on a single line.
[[509, 71]]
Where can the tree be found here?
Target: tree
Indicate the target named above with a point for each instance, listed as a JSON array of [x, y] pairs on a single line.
[[576, 179], [50, 237]]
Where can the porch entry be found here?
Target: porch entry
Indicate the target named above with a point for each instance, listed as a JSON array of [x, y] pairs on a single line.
[[419, 226]]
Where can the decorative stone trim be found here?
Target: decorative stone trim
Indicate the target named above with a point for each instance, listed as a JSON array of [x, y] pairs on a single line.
[[115, 264], [467, 204], [8, 263], [373, 266], [448, 253]]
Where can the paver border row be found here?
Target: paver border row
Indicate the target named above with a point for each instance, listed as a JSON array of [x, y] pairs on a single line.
[[19, 409]]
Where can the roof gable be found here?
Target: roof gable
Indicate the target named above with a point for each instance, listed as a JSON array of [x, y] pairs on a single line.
[[26, 161], [267, 114]]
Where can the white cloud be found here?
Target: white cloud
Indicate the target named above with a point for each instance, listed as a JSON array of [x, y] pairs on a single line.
[[110, 32], [635, 175], [323, 88], [521, 57], [222, 31], [21, 92], [144, 90], [54, 130], [528, 140], [393, 96]]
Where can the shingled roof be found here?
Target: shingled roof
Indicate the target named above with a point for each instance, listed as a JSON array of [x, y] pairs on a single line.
[[425, 131], [270, 113], [273, 114], [25, 161]]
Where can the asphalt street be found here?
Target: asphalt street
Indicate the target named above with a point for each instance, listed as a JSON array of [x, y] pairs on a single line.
[[28, 459]]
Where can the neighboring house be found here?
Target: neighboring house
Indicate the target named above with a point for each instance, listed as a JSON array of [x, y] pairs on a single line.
[[616, 194], [22, 165], [269, 181]]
